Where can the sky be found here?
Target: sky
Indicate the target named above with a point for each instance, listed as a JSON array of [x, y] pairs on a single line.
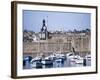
[[62, 21]]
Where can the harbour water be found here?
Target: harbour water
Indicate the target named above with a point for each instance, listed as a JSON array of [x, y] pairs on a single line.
[[56, 64]]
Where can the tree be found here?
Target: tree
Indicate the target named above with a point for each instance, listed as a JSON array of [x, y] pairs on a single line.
[[88, 30]]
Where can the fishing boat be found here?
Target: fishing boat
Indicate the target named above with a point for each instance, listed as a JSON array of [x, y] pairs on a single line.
[[76, 58], [88, 57], [79, 60], [52, 56], [26, 59], [36, 59], [36, 64], [68, 55], [47, 61]]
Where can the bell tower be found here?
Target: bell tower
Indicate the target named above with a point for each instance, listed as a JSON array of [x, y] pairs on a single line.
[[44, 28], [44, 32]]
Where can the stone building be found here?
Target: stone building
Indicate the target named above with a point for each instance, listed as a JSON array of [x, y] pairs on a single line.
[[80, 43]]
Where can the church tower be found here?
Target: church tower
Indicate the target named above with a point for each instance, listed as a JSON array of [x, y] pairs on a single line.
[[44, 32], [44, 28]]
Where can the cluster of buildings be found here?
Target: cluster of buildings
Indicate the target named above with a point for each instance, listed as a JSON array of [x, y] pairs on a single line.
[[45, 42]]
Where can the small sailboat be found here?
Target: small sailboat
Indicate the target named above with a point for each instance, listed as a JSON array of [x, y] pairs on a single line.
[[79, 60]]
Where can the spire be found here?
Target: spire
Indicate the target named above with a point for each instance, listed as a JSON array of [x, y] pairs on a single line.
[[44, 28], [43, 22]]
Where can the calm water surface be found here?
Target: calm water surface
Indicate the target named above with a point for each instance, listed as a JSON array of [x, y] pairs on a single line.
[[57, 64]]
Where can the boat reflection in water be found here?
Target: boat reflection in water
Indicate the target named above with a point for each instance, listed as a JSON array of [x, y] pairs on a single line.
[[57, 60]]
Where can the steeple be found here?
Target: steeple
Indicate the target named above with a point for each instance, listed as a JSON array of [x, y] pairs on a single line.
[[43, 31], [44, 28]]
